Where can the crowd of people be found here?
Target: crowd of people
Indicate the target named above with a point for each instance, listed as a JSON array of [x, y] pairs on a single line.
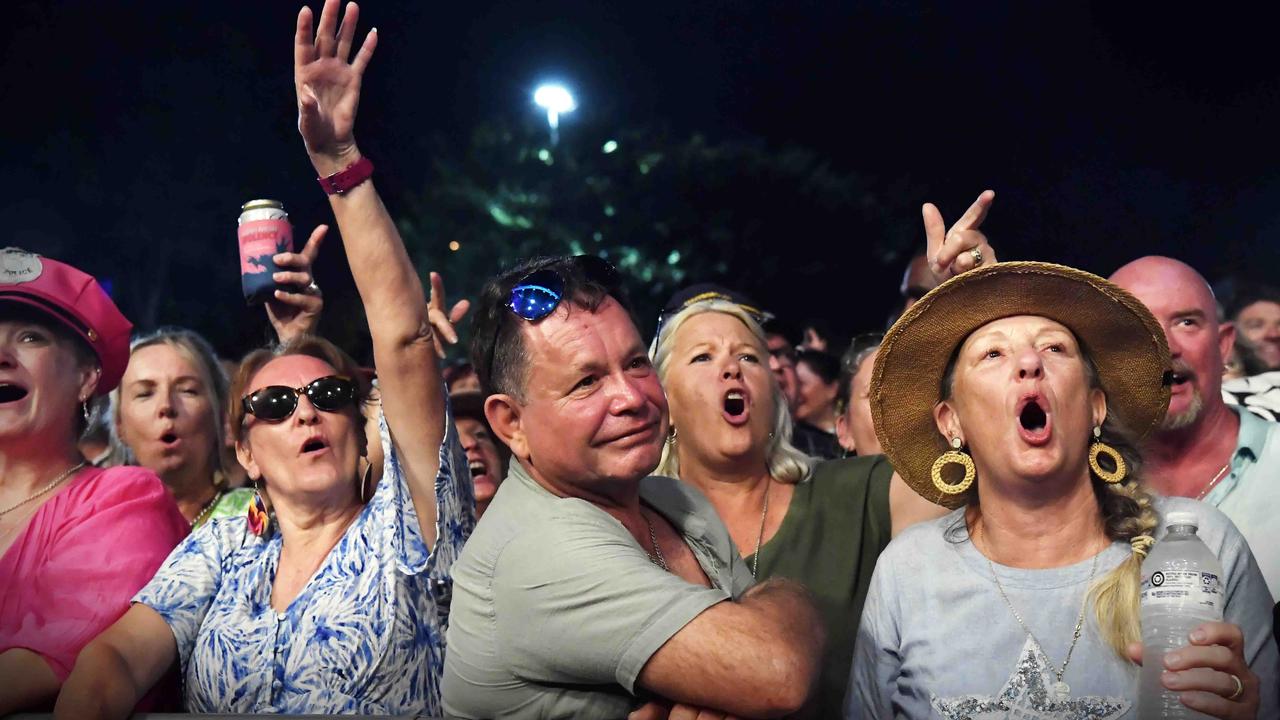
[[730, 519]]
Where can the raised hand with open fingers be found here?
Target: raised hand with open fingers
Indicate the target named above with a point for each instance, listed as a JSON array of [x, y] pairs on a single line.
[[442, 322], [327, 80], [961, 247], [294, 314]]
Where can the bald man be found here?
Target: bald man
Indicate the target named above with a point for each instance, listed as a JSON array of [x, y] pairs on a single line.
[[1206, 449]]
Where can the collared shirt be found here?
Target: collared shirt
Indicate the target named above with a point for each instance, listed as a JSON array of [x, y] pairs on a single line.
[[1250, 493], [556, 608], [364, 636]]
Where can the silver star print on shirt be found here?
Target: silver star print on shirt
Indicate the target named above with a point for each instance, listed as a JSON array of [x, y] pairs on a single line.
[[1026, 696]]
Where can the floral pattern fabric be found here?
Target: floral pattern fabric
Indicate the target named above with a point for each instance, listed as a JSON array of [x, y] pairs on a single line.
[[366, 635]]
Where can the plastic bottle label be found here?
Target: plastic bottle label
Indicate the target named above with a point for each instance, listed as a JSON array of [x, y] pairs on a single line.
[[1175, 589]]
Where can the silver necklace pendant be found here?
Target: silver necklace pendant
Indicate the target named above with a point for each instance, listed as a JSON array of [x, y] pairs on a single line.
[[1061, 690]]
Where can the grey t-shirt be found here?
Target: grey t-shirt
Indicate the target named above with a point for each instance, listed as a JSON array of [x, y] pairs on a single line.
[[938, 641], [556, 608]]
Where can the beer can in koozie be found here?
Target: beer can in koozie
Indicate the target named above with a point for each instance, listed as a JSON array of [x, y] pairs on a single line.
[[264, 231]]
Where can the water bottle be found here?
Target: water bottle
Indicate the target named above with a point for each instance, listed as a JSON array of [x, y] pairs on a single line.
[[1181, 589]]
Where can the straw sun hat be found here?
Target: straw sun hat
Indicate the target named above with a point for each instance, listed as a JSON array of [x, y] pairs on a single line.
[[1126, 344]]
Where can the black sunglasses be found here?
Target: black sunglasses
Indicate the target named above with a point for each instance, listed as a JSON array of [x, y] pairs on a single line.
[[274, 403]]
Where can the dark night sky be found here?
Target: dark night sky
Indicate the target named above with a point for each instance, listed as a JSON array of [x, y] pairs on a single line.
[[1107, 131]]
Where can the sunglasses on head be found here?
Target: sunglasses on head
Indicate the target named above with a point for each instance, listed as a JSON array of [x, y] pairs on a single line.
[[539, 293], [760, 316], [277, 402]]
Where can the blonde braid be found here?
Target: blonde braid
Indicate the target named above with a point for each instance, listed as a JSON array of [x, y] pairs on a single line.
[[1129, 515]]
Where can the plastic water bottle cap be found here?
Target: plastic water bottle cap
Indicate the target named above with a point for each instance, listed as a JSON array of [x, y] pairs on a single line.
[[1182, 517]]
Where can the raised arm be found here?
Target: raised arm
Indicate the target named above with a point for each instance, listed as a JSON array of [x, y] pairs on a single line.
[[755, 658], [114, 671], [328, 90]]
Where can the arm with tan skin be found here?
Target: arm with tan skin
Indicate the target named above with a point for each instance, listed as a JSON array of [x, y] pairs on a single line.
[[400, 318], [757, 657], [29, 682], [907, 507], [114, 671]]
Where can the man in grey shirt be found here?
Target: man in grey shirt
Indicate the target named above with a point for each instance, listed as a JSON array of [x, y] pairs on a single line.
[[589, 589]]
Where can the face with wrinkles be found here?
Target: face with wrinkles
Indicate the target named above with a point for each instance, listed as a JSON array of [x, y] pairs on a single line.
[[311, 456], [721, 393], [1183, 304], [593, 418], [166, 412], [1021, 400]]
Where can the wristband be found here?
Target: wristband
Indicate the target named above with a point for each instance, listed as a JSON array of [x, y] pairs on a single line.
[[343, 180]]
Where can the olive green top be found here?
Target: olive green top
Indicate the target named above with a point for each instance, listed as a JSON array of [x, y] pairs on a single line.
[[834, 529]]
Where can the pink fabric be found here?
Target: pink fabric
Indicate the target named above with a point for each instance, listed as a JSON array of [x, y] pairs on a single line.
[[84, 554]]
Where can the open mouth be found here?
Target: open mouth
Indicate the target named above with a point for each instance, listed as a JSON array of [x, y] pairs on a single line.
[[1033, 420], [315, 445], [11, 393], [735, 407], [477, 468], [1179, 378], [1033, 417], [169, 438]]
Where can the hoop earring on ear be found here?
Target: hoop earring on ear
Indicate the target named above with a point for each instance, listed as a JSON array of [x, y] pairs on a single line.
[[955, 456], [671, 436], [259, 518], [366, 494], [1100, 448]]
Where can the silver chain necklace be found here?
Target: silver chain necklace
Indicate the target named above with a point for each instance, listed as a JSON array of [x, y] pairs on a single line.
[[755, 557], [657, 558], [1060, 689], [51, 485]]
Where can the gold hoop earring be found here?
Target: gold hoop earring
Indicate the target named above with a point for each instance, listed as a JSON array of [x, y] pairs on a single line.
[[955, 456], [1100, 448]]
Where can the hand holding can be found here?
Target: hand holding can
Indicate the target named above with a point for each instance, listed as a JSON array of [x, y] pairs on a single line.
[[263, 231]]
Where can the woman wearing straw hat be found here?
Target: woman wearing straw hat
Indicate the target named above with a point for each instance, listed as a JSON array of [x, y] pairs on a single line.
[[1014, 394]]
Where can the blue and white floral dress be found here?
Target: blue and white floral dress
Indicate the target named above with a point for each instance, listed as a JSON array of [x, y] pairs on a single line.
[[365, 636]]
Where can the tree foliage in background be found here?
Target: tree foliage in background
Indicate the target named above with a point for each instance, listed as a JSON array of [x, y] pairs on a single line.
[[666, 211]]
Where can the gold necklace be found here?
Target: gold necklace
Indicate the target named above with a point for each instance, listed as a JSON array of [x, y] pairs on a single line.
[[1214, 482], [51, 485]]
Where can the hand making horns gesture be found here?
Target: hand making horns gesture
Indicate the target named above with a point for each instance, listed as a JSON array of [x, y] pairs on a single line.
[[963, 246]]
